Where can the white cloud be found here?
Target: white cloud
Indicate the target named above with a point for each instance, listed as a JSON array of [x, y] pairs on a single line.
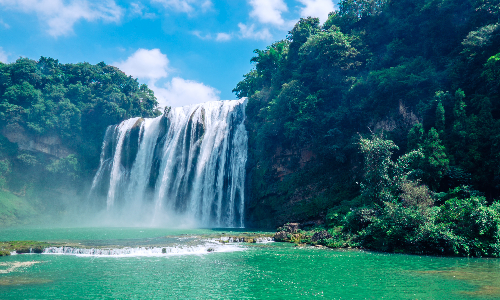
[[219, 37], [185, 6], [7, 26], [223, 37], [3, 56], [207, 5], [180, 92], [317, 9], [146, 64], [138, 9], [268, 11], [250, 33], [153, 67], [60, 15], [198, 33]]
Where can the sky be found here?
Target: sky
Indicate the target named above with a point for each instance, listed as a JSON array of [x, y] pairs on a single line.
[[186, 51]]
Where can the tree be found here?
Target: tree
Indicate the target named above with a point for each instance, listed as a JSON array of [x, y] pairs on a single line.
[[440, 117], [382, 176], [75, 102], [416, 137], [459, 133], [436, 162], [304, 28]]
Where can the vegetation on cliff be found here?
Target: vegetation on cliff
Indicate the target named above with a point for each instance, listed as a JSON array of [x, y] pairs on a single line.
[[398, 104], [63, 109]]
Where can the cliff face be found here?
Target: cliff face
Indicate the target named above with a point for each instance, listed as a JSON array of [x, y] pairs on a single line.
[[292, 185], [287, 161], [47, 144]]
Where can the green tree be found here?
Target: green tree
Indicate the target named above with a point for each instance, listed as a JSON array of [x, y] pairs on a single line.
[[440, 118], [459, 133], [382, 176], [436, 162], [475, 222], [416, 137], [304, 28]]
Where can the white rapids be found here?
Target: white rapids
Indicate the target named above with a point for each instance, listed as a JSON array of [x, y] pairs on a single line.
[[144, 251]]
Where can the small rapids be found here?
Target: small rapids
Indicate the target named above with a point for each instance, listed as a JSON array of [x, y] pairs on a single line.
[[224, 244], [144, 251]]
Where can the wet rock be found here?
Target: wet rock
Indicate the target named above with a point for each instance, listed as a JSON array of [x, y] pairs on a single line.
[[281, 236], [320, 235], [291, 227]]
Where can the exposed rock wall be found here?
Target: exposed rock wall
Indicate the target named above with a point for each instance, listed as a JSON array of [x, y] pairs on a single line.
[[286, 187], [48, 144]]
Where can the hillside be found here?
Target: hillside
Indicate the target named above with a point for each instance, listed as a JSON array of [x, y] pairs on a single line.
[[383, 123], [52, 122]]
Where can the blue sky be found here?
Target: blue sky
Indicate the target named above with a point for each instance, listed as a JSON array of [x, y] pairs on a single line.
[[187, 51]]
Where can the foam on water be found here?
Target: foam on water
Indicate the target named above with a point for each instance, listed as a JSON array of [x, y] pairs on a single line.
[[145, 251]]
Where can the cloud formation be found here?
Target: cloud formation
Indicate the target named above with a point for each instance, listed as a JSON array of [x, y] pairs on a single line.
[[317, 8], [185, 6], [138, 9], [223, 37], [146, 64], [5, 25], [60, 16], [268, 11], [153, 66], [181, 92], [219, 37], [248, 32], [3, 56]]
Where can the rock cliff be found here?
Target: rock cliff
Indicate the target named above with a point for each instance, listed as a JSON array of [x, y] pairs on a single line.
[[49, 144]]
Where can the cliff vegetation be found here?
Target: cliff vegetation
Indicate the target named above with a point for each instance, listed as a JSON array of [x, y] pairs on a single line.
[[381, 126], [52, 121]]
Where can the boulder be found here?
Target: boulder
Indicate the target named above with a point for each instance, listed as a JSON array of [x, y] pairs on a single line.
[[291, 227], [281, 236], [320, 235]]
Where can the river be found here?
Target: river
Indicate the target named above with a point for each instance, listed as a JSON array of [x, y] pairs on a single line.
[[200, 268]]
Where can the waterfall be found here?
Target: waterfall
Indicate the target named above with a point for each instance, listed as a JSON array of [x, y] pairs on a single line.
[[188, 163]]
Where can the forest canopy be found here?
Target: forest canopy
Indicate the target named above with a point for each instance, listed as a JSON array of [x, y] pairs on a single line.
[[73, 102], [378, 83]]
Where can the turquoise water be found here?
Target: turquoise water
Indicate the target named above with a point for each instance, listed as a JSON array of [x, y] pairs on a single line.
[[255, 271]]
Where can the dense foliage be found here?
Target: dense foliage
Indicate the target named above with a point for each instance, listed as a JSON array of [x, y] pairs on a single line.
[[69, 105], [407, 91]]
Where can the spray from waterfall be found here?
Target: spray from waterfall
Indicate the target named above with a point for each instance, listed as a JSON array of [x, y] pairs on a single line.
[[188, 163]]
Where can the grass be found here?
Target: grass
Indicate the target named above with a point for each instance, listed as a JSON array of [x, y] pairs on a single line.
[[14, 210]]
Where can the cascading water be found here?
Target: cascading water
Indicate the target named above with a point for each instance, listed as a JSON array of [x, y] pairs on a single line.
[[189, 162]]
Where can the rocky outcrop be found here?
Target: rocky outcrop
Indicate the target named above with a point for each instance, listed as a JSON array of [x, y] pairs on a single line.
[[281, 236], [291, 227], [320, 235], [48, 144], [286, 232], [287, 161]]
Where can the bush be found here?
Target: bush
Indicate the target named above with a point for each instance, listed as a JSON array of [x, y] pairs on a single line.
[[477, 223]]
